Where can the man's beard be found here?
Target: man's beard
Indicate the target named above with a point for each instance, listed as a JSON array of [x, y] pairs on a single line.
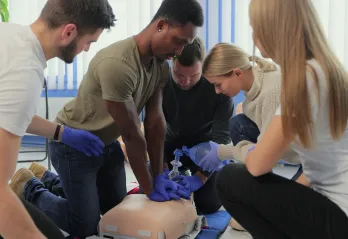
[[67, 54]]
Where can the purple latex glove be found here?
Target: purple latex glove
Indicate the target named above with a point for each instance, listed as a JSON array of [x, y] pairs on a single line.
[[169, 189], [190, 183], [162, 185], [83, 141], [156, 196], [180, 193], [205, 155], [165, 173]]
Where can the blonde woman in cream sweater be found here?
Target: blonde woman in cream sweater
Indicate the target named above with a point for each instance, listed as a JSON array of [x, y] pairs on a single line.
[[231, 70]]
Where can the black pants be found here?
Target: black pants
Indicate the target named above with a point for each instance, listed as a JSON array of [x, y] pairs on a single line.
[[270, 206], [206, 198], [45, 225]]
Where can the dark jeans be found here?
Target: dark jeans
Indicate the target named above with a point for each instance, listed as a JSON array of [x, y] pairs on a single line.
[[45, 225], [206, 198], [273, 207], [242, 128], [91, 187]]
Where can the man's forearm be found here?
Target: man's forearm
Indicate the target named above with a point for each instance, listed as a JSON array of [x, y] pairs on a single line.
[[15, 221], [155, 145], [136, 151], [44, 128]]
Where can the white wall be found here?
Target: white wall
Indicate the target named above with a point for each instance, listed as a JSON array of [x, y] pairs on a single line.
[[54, 104]]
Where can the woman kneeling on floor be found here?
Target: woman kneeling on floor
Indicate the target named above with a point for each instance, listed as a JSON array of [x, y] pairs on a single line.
[[231, 70], [312, 119]]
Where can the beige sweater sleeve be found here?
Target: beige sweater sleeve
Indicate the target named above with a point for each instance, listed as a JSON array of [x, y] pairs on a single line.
[[268, 105], [262, 109]]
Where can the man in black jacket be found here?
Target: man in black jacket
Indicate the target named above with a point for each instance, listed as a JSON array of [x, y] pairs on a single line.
[[194, 113]]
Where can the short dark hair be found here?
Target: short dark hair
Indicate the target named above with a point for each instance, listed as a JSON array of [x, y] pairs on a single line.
[[191, 53], [181, 11], [87, 15]]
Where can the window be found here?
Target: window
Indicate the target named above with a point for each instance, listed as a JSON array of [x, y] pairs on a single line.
[[132, 16], [225, 20]]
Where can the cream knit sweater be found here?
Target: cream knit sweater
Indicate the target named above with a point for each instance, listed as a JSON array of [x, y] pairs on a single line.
[[260, 105]]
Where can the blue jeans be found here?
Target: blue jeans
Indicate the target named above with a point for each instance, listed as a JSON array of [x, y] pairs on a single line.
[[91, 187], [242, 128]]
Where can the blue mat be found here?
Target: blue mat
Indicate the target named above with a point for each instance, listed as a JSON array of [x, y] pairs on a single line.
[[217, 224]]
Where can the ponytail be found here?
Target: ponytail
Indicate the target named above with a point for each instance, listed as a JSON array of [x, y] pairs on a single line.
[[224, 57], [264, 65]]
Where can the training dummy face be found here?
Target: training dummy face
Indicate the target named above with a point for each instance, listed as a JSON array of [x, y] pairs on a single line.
[[139, 218]]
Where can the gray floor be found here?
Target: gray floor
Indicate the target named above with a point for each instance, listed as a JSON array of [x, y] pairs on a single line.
[[230, 233]]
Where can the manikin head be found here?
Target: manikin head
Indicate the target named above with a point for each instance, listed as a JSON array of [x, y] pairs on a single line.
[[174, 26], [74, 24], [187, 67], [229, 68]]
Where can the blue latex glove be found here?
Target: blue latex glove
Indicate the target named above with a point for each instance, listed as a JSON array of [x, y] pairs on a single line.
[[190, 183], [205, 156], [165, 173], [162, 185], [180, 193], [156, 196], [169, 189], [83, 141]]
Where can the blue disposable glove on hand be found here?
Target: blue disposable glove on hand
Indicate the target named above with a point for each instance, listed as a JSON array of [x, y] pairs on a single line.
[[205, 155], [162, 185], [169, 189], [83, 141], [180, 193], [165, 173], [156, 196], [190, 183]]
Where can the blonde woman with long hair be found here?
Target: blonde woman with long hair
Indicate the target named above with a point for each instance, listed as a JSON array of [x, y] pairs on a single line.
[[312, 119]]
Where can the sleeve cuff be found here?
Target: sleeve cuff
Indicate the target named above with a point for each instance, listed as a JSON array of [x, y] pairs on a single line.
[[226, 151]]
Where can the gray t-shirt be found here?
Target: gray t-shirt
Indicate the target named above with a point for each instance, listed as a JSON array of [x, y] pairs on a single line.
[[326, 165]]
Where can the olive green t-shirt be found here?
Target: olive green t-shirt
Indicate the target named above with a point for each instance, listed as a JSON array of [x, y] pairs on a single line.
[[116, 74]]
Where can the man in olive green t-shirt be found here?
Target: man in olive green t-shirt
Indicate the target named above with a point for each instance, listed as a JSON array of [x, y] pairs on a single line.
[[122, 80]]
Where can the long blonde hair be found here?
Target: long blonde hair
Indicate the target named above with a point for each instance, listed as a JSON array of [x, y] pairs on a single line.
[[290, 33], [224, 57]]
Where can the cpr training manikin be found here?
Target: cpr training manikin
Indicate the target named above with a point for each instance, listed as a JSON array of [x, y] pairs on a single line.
[[137, 217]]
